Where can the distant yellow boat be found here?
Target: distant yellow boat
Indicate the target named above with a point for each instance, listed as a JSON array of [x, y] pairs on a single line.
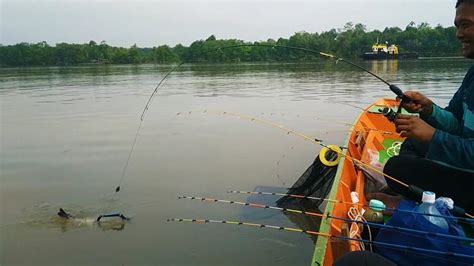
[[382, 51]]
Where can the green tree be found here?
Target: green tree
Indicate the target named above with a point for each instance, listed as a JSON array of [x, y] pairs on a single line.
[[349, 42], [164, 54]]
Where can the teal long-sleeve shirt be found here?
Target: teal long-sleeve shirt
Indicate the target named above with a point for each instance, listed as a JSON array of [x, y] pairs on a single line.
[[453, 142]]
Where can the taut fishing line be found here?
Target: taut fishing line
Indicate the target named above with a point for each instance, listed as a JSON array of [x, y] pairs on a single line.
[[392, 87], [395, 89]]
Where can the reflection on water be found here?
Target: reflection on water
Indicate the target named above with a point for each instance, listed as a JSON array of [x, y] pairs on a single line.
[[384, 67], [66, 134]]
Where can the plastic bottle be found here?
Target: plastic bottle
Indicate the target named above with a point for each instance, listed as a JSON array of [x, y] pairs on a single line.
[[428, 206], [446, 206], [375, 212], [444, 203]]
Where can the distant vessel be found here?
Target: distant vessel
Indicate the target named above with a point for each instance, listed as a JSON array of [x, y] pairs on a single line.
[[384, 51]]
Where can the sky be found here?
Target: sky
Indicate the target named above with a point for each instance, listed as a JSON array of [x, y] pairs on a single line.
[[150, 23]]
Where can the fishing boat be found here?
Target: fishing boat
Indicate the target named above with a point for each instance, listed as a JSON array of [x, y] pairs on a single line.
[[371, 133], [372, 141], [383, 51]]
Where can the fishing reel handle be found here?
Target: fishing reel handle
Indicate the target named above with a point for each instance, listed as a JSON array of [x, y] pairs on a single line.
[[389, 113]]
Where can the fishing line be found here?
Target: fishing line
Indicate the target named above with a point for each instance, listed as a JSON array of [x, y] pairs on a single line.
[[320, 215], [315, 233], [283, 156], [117, 189], [332, 120], [348, 104], [313, 140], [457, 211], [278, 165], [392, 87], [289, 131], [320, 142]]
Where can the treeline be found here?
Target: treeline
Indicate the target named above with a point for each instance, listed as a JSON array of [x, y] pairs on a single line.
[[349, 42]]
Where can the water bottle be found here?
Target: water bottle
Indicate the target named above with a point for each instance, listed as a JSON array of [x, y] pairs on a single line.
[[446, 206], [443, 203], [375, 212], [428, 206]]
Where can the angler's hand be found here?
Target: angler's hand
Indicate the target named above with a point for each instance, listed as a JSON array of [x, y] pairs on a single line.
[[419, 103], [414, 127]]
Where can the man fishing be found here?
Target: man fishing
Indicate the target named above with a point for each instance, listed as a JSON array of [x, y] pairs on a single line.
[[438, 154]]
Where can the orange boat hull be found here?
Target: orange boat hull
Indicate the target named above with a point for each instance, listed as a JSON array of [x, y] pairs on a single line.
[[371, 130]]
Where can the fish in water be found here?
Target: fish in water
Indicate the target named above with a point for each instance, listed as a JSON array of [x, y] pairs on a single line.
[[63, 214]]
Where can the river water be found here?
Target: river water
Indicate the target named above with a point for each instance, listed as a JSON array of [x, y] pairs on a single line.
[[66, 134]]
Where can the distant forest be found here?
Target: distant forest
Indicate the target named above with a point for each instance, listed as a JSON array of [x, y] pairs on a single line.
[[349, 42]]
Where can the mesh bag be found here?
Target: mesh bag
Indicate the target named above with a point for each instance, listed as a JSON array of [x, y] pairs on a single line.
[[316, 181]]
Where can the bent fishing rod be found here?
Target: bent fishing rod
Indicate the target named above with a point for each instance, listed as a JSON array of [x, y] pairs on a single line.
[[395, 89]]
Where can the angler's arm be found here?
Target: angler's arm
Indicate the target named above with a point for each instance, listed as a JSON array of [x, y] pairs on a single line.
[[448, 119], [444, 120], [452, 150]]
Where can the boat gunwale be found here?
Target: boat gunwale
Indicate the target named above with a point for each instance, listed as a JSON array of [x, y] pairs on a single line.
[[325, 226]]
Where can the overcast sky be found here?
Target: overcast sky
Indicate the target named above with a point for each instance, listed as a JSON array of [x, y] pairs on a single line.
[[153, 23]]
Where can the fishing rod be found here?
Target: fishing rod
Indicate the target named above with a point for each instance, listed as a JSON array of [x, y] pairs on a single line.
[[312, 140], [392, 87], [315, 233], [458, 211], [346, 202], [348, 104], [290, 131], [320, 215], [309, 116], [395, 89]]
